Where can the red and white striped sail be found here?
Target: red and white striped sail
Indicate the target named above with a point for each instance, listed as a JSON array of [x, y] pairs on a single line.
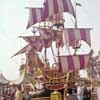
[[75, 34], [69, 35], [35, 15], [57, 6], [73, 62]]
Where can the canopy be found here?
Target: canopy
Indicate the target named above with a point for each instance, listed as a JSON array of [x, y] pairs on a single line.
[[3, 80]]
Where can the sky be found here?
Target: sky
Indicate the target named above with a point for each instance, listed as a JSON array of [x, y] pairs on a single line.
[[13, 21]]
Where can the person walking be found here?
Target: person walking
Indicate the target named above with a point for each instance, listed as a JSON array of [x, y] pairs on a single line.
[[80, 92], [71, 96], [98, 93], [18, 94], [85, 93]]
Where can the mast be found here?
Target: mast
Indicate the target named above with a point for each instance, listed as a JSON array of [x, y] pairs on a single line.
[[76, 44]]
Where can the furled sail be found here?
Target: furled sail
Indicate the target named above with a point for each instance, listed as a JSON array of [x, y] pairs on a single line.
[[25, 49], [33, 60], [34, 41], [38, 42]]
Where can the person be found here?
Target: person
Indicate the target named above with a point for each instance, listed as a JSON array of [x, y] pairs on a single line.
[[18, 94], [98, 93], [71, 96], [80, 92], [85, 93]]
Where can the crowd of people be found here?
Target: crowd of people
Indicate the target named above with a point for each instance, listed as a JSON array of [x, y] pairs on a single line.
[[20, 92], [79, 93], [73, 93]]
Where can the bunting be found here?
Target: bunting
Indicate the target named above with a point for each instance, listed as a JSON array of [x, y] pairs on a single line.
[[74, 62], [57, 6]]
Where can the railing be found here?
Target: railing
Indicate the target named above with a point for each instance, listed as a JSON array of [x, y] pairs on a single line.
[[41, 98]]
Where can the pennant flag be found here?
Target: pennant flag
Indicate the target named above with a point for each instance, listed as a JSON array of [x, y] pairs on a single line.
[[77, 34], [35, 15], [74, 62], [57, 6]]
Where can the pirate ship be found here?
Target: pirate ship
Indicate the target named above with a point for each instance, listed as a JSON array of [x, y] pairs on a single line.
[[49, 37]]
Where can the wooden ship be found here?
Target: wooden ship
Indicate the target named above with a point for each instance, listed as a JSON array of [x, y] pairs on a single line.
[[50, 35]]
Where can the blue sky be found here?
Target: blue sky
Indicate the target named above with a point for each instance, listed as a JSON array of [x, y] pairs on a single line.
[[13, 20]]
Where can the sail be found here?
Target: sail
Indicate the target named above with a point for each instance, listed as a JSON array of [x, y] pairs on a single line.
[[52, 7], [76, 34], [25, 49], [50, 12], [35, 15], [73, 62], [3, 80], [23, 78], [33, 60], [50, 34], [34, 41], [38, 42]]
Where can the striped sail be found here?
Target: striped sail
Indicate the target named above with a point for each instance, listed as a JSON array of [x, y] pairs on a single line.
[[74, 62], [57, 6], [75, 34], [69, 35], [35, 15]]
